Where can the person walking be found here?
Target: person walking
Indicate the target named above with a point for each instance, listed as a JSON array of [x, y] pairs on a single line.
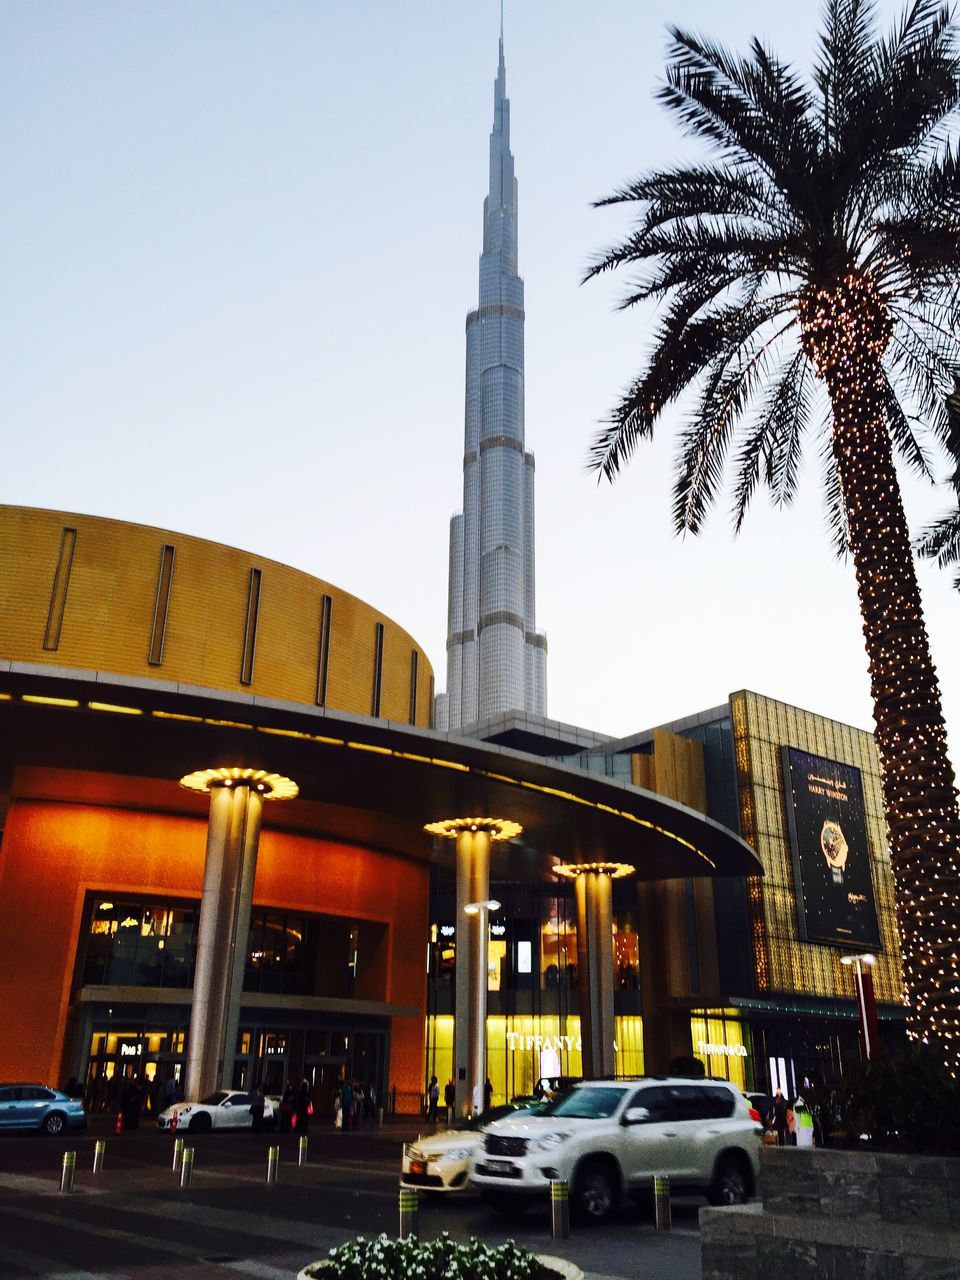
[[433, 1099], [257, 1107], [487, 1094], [346, 1103], [287, 1103], [778, 1117], [450, 1099], [303, 1106], [130, 1101]]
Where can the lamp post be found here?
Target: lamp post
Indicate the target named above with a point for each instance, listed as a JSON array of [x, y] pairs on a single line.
[[862, 966], [479, 916]]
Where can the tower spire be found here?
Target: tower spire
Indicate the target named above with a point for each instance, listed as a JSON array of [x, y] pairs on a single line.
[[496, 658]]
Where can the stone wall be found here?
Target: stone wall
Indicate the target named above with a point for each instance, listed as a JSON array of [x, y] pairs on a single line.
[[843, 1215]]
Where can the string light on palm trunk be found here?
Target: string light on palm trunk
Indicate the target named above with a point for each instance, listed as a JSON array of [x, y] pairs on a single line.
[[846, 328]]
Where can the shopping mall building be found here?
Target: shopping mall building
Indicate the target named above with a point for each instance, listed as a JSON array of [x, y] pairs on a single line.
[[216, 779]]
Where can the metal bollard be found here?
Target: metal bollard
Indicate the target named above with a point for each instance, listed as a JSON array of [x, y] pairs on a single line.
[[409, 1214], [186, 1167], [559, 1209], [177, 1154], [273, 1160], [67, 1169], [302, 1151], [99, 1151], [661, 1202]]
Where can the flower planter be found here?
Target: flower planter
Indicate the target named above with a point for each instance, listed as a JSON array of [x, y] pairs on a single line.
[[560, 1267]]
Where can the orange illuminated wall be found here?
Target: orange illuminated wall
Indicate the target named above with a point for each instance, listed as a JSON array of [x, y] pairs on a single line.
[[54, 852]]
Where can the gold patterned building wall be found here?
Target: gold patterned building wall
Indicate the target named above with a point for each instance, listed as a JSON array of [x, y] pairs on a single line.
[[761, 726], [124, 599]]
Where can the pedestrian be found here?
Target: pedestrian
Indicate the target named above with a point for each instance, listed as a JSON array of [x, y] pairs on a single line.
[[778, 1117], [130, 1101], [168, 1093], [286, 1107], [433, 1099], [450, 1099], [487, 1094], [258, 1104], [303, 1106], [359, 1102], [346, 1102]]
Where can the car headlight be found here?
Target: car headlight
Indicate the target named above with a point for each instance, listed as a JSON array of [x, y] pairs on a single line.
[[549, 1140], [183, 1111]]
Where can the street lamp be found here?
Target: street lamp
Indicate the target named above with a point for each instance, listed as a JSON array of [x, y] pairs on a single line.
[[479, 913], [862, 966]]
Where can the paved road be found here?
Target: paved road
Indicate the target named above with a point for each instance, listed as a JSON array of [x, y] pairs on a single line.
[[133, 1222]]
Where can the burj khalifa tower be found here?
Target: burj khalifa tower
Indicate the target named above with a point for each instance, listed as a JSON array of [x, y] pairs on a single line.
[[496, 658]]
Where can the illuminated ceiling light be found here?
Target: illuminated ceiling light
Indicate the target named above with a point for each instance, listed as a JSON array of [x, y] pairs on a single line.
[[495, 828], [6, 697], [272, 786], [105, 906], [110, 706], [50, 702], [615, 870]]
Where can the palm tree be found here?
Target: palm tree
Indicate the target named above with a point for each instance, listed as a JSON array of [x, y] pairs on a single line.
[[819, 247]]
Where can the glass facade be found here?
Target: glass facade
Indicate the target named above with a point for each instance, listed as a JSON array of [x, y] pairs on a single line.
[[139, 944], [130, 943]]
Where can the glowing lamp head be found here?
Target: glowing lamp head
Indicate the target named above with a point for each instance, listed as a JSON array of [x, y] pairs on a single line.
[[495, 828], [615, 870], [271, 786]]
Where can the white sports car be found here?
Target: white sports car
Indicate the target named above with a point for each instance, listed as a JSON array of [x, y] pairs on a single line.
[[438, 1162], [222, 1110]]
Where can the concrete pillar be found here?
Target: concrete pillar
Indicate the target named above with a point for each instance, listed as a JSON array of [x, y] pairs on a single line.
[[594, 890], [230, 868], [470, 1024]]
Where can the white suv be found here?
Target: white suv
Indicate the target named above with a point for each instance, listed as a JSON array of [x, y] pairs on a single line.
[[608, 1138]]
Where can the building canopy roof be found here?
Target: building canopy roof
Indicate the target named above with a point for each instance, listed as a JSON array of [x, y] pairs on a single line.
[[372, 782]]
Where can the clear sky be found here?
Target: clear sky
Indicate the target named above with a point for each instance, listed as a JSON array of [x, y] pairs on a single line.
[[238, 239]]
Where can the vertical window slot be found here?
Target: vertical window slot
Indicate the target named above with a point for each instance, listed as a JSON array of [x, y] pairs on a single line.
[[58, 596], [323, 657], [414, 665], [377, 670], [250, 630], [164, 583]]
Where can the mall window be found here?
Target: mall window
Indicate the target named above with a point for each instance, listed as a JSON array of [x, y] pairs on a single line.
[[558, 948], [139, 943], [626, 953], [293, 954]]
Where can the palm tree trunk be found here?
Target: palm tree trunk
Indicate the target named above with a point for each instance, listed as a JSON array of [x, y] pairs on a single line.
[[918, 781]]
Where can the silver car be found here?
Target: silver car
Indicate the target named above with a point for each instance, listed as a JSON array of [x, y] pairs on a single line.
[[35, 1106]]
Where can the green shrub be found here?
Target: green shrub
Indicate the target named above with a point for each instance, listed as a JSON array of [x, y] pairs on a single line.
[[388, 1259], [904, 1102]]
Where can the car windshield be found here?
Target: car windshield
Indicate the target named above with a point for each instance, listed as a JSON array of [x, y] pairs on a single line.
[[214, 1100], [586, 1104]]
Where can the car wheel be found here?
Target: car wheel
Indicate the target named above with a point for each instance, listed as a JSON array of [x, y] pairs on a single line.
[[54, 1123], [731, 1184], [594, 1192], [506, 1205], [200, 1124]]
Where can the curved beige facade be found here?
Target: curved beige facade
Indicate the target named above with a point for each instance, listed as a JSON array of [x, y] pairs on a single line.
[[87, 593]]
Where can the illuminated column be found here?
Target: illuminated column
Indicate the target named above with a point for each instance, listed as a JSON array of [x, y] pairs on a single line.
[[474, 837], [866, 1003], [594, 888], [230, 868]]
